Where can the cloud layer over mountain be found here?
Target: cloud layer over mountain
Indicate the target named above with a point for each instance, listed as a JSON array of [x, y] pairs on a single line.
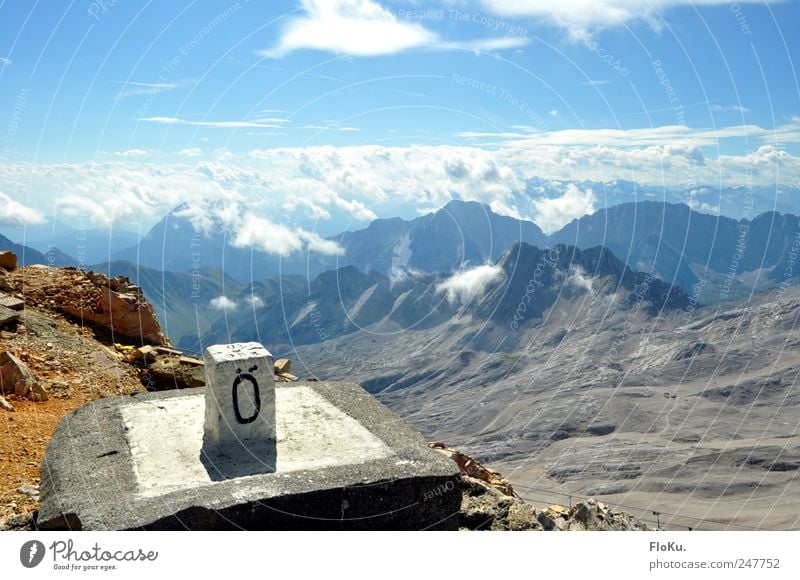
[[467, 285], [308, 185]]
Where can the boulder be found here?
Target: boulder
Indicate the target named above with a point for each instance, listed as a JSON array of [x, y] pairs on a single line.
[[146, 354], [472, 468], [8, 316], [12, 302], [12, 371], [8, 260], [283, 365], [484, 507], [37, 392], [168, 372], [126, 314], [489, 502], [16, 377]]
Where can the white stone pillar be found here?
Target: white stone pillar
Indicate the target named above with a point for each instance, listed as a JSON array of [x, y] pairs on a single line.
[[240, 400]]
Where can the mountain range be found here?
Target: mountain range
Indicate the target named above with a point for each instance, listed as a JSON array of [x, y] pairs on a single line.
[[731, 258], [74, 246], [515, 291], [692, 410], [710, 257], [625, 356]]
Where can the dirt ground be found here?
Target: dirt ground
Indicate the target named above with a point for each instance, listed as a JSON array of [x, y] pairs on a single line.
[[74, 363]]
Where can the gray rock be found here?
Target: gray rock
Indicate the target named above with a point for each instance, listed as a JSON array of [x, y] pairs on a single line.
[[7, 316], [15, 374], [11, 302], [12, 372], [31, 491], [38, 392]]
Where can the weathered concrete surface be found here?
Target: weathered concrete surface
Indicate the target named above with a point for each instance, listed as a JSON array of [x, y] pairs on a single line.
[[165, 442], [344, 461]]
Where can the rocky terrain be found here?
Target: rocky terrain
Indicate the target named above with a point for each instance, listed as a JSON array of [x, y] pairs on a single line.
[[692, 413], [70, 337], [573, 373], [68, 363], [489, 502]]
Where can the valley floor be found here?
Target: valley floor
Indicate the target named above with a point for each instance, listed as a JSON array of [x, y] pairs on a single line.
[[695, 416]]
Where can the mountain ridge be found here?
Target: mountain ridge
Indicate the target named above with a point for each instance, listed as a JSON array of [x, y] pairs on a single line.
[[670, 241]]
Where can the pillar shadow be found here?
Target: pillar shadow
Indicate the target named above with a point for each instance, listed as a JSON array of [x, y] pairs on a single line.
[[240, 460]]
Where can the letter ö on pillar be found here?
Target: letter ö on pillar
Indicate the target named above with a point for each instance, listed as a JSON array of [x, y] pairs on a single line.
[[240, 397]]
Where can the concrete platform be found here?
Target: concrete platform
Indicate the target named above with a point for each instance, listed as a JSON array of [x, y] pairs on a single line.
[[341, 461]]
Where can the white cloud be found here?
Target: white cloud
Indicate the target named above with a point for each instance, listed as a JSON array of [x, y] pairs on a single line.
[[354, 178], [323, 183], [191, 152], [223, 303], [331, 127], [485, 45], [270, 120], [135, 88], [320, 245], [254, 301], [107, 194], [132, 153], [664, 135], [223, 153], [365, 28], [266, 236], [400, 274], [162, 120], [580, 16], [210, 124], [578, 278], [312, 210], [5, 61], [354, 27], [717, 108], [469, 284], [553, 113], [551, 214], [703, 206], [14, 213]]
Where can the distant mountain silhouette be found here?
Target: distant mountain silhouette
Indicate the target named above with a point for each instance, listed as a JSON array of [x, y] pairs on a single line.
[[682, 246], [27, 255], [667, 240], [459, 233], [85, 245]]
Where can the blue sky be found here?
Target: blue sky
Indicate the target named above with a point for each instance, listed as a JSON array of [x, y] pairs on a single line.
[[115, 110]]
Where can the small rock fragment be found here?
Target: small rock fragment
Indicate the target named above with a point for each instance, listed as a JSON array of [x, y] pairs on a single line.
[[282, 366], [32, 491], [5, 405]]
